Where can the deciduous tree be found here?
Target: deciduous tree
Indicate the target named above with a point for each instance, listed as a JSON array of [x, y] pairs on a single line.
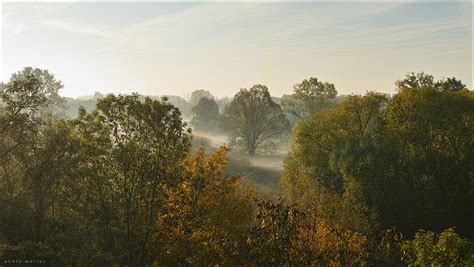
[[205, 115], [254, 118], [309, 96]]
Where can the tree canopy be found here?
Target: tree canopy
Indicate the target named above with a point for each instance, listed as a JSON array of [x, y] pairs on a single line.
[[371, 181], [423, 80], [196, 95], [205, 115], [309, 96], [405, 159], [254, 118]]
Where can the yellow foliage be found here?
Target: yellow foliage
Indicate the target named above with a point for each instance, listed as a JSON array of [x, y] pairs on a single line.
[[205, 213]]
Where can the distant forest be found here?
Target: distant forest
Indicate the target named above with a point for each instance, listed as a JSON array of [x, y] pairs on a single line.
[[307, 179]]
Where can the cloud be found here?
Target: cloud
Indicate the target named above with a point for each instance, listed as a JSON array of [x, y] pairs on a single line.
[[238, 26], [71, 27], [275, 43], [20, 17]]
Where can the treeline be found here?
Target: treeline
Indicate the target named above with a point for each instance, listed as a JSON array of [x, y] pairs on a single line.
[[184, 103], [120, 185], [407, 161]]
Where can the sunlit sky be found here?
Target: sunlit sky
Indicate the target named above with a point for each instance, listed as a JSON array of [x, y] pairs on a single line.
[[175, 48]]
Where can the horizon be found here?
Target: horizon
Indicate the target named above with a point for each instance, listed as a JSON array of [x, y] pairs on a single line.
[[175, 48]]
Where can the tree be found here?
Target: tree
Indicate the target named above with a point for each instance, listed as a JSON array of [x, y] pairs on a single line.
[[196, 95], [131, 151], [48, 85], [323, 135], [451, 85], [205, 115], [21, 100], [283, 235], [19, 127], [253, 117], [329, 150], [38, 165], [431, 132], [309, 96], [423, 80], [408, 160], [416, 80], [182, 104], [444, 249], [205, 215]]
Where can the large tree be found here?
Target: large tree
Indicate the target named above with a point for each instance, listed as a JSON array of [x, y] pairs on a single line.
[[48, 85], [410, 159], [424, 80], [254, 118], [131, 151], [309, 96], [37, 170], [432, 134], [205, 115], [196, 95]]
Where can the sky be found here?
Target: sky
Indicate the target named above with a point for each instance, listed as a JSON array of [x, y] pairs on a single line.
[[175, 48]]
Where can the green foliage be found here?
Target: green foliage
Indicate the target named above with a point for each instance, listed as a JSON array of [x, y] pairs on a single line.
[[423, 80], [73, 105], [197, 95], [205, 115], [432, 134], [445, 249], [409, 161], [309, 96], [122, 143], [323, 138], [48, 86], [119, 184]]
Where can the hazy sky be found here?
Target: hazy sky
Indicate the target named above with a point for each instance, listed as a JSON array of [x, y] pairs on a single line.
[[174, 48]]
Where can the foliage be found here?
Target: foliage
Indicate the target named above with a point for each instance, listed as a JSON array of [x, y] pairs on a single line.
[[284, 236], [321, 139], [48, 86], [205, 115], [197, 95], [389, 249], [204, 215], [253, 118], [119, 185], [182, 104], [406, 161], [309, 96], [122, 143], [434, 156], [444, 249], [423, 80]]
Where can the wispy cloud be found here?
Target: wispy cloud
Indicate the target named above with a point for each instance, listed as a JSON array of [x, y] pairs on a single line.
[[20, 17], [71, 27], [277, 43]]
